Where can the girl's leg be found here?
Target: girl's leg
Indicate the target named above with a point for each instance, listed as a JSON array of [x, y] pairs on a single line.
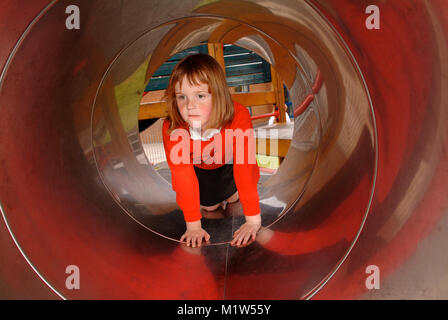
[[233, 198], [211, 208]]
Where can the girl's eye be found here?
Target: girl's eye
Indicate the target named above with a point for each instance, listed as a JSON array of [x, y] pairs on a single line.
[[203, 96], [180, 97]]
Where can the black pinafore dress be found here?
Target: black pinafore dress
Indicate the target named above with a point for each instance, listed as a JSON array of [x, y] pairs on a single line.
[[215, 185]]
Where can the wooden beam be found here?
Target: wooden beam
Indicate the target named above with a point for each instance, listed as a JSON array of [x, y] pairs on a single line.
[[152, 110], [255, 98], [158, 109], [216, 51], [277, 85]]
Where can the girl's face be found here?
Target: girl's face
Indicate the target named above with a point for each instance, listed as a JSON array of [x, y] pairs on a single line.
[[194, 103]]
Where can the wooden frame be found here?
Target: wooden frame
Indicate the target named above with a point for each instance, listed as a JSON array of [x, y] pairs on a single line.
[[275, 97]]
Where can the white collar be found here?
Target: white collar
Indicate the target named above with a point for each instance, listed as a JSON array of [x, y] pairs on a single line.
[[195, 134]]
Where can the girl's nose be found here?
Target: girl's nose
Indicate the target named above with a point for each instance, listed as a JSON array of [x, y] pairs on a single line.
[[191, 104]]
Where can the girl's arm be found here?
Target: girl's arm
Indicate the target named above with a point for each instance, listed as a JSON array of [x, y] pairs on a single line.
[[183, 179], [246, 173], [186, 186], [245, 168]]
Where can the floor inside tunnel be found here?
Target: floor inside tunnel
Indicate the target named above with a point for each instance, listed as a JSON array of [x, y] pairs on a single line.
[[289, 258], [219, 223]]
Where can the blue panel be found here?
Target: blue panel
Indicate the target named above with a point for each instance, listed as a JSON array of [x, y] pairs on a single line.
[[246, 79], [243, 67], [231, 49]]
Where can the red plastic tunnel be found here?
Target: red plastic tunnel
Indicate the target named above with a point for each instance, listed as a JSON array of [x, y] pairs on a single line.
[[363, 184]]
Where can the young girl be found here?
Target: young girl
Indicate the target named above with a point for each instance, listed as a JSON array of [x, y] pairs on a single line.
[[201, 112]]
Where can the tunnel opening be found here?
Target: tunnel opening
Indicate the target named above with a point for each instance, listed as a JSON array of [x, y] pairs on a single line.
[[250, 81], [131, 185]]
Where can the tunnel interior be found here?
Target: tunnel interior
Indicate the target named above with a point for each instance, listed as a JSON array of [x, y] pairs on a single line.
[[88, 195]]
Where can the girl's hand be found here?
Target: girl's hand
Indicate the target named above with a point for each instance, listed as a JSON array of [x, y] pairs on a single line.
[[194, 234], [247, 232]]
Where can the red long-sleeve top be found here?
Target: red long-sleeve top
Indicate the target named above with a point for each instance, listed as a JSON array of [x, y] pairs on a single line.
[[186, 154]]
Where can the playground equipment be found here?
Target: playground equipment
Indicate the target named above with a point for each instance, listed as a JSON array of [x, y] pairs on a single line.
[[363, 184]]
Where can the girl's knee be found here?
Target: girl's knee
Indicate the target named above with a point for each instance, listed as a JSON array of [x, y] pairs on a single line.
[[211, 208], [233, 198]]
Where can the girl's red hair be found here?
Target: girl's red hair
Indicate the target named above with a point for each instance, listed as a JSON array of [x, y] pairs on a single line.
[[201, 69]]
